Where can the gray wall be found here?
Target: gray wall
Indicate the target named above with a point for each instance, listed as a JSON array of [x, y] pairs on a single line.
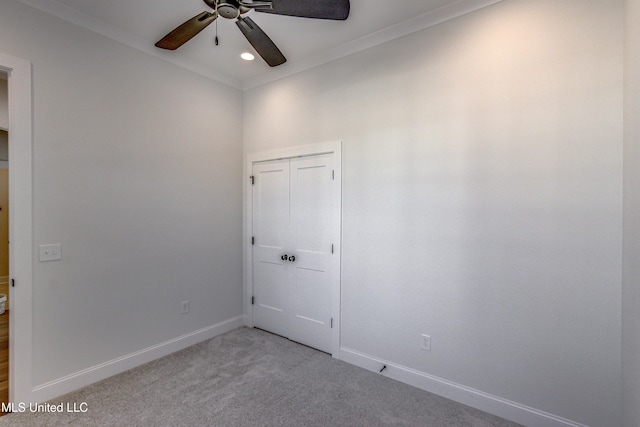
[[139, 182], [482, 198], [631, 288]]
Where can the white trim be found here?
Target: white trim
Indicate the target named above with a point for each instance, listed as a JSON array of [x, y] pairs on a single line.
[[486, 402], [121, 364], [90, 23], [287, 153], [298, 151], [401, 29], [20, 225]]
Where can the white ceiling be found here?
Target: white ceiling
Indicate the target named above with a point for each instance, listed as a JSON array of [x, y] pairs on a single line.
[[305, 42]]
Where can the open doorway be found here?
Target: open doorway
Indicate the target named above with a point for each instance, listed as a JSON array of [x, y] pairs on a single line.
[[20, 132], [4, 239]]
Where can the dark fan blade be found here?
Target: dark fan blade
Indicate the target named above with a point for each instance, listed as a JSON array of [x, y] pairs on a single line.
[[261, 42], [186, 31], [319, 9]]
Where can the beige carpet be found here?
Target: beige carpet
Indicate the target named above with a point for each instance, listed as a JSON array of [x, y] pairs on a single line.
[[248, 377]]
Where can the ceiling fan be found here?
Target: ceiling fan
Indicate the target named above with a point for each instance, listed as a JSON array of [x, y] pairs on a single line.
[[233, 9]]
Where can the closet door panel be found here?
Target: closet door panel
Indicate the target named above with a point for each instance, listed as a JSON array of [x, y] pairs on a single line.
[[271, 225], [310, 288]]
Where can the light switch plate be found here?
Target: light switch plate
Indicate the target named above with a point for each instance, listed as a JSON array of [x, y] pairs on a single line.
[[51, 252]]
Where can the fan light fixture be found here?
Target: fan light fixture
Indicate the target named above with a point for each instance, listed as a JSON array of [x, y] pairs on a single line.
[[234, 9], [247, 56]]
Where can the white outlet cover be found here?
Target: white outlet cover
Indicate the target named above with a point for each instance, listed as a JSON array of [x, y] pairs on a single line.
[[186, 307], [426, 342], [52, 252]]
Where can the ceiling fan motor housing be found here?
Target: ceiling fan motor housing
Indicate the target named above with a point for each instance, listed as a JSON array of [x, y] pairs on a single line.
[[229, 9]]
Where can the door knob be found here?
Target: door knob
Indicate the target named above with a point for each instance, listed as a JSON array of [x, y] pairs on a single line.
[[292, 258], [284, 257]]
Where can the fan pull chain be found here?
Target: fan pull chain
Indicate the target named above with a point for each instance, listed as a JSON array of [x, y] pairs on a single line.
[[216, 11]]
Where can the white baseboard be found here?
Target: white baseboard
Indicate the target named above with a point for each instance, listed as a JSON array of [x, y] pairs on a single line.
[[498, 406], [104, 370]]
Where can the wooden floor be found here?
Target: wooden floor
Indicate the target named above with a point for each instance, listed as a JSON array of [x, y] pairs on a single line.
[[4, 358]]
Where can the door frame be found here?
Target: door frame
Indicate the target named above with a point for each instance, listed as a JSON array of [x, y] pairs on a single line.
[[19, 84], [334, 148]]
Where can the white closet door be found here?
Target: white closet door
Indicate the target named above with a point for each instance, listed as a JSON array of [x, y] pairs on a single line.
[[271, 224], [311, 225], [293, 215]]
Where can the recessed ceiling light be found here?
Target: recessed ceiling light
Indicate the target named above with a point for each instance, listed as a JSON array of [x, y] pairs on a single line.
[[247, 56]]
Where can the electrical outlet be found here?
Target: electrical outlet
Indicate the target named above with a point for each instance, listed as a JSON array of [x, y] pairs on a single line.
[[185, 307], [425, 343], [51, 252]]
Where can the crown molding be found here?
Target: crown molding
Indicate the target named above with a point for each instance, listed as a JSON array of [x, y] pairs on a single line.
[[401, 29], [90, 23], [417, 23]]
